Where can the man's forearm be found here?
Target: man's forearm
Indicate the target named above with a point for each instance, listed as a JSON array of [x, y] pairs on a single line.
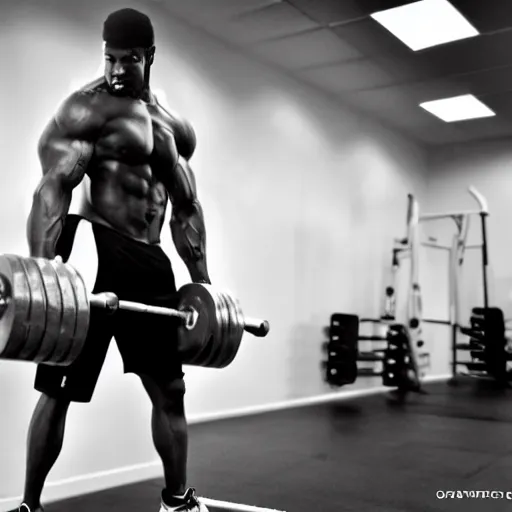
[[49, 209], [189, 236]]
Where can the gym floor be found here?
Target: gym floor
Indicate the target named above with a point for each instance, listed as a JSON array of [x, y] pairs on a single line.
[[355, 455]]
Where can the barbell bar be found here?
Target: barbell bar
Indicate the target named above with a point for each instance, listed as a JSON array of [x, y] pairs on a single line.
[[110, 302], [45, 314]]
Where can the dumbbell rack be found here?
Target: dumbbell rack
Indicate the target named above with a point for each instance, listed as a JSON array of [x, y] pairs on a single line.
[[391, 354], [346, 361], [373, 348], [486, 347], [340, 367]]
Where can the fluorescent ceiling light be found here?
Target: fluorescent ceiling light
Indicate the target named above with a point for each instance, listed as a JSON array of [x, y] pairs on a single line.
[[426, 23], [458, 108]]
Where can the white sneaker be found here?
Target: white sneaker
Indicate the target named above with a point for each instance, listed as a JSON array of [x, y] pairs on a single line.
[[25, 508], [189, 503]]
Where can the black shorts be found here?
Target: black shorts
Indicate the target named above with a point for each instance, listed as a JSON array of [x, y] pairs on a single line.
[[134, 271]]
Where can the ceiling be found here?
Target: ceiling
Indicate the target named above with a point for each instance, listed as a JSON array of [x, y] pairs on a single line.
[[337, 47]]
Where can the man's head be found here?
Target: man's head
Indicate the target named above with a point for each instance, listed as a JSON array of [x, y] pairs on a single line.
[[129, 51]]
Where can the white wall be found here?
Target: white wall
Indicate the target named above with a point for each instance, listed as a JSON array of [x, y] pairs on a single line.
[[302, 200]]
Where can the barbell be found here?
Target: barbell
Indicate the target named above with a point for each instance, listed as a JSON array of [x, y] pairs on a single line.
[[45, 314]]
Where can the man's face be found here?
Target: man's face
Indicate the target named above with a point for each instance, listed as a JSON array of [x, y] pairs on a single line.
[[124, 70]]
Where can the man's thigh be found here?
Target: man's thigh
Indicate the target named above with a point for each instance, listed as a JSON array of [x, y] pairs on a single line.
[[77, 382]]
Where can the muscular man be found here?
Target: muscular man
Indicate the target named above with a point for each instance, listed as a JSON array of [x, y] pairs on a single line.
[[135, 157]]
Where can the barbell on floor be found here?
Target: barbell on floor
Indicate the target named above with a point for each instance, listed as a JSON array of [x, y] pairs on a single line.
[[45, 314]]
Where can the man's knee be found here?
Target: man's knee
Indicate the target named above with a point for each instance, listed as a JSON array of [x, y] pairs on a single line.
[[166, 394], [173, 394], [175, 387]]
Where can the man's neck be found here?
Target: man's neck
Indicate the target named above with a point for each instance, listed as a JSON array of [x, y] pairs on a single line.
[[149, 97]]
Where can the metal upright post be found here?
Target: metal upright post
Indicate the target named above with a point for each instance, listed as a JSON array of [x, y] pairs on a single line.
[[454, 319], [485, 261], [484, 212]]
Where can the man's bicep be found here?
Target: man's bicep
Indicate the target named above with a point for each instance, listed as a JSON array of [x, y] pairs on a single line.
[[185, 177], [186, 141], [182, 185], [63, 157]]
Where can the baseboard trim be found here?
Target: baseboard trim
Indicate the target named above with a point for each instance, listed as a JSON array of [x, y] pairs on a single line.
[[93, 482], [102, 480], [301, 402]]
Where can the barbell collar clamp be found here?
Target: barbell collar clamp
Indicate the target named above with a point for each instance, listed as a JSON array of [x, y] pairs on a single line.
[[256, 327]]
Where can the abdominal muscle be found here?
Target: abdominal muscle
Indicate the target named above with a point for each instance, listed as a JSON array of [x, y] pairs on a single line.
[[125, 198]]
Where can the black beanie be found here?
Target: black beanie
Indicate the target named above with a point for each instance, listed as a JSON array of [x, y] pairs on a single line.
[[128, 28]]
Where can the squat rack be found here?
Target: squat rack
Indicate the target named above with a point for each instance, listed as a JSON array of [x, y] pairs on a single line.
[[456, 251]]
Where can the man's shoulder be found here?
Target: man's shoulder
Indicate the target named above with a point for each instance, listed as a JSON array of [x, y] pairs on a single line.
[[88, 95], [94, 88], [173, 119], [183, 130], [81, 106]]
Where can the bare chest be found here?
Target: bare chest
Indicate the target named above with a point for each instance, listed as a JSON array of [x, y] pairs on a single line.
[[137, 135]]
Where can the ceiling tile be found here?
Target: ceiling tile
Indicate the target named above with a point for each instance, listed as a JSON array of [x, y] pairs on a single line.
[[489, 81], [277, 20], [328, 11], [390, 98], [419, 92], [488, 128], [391, 104], [406, 68], [468, 55], [350, 76], [443, 133], [500, 103], [216, 9], [314, 48], [486, 16]]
